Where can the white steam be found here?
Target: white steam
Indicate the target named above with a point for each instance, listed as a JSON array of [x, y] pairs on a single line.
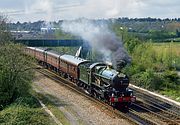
[[100, 38]]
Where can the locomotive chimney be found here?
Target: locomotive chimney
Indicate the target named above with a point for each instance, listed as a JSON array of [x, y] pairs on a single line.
[[109, 65]]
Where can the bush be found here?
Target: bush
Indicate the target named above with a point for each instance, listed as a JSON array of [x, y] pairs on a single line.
[[24, 111], [150, 80], [15, 73], [171, 76], [151, 70], [28, 101]]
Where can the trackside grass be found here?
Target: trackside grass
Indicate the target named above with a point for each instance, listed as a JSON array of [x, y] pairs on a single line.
[[25, 111]]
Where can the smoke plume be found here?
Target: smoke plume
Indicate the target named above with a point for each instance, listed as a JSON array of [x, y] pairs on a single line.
[[100, 38]]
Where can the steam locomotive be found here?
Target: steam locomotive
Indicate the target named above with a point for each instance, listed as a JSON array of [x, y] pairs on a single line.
[[98, 79]]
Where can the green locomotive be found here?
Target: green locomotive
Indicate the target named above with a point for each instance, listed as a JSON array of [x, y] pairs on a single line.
[[105, 83]]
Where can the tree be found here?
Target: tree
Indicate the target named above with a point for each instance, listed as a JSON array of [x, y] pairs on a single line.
[[4, 32], [15, 73]]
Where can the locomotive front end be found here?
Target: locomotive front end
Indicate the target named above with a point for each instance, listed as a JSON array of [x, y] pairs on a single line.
[[116, 84]]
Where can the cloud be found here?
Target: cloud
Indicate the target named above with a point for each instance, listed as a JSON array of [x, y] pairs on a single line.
[[40, 6], [71, 9], [160, 8], [103, 9]]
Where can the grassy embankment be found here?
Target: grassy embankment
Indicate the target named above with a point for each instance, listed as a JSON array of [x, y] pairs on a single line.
[[24, 111], [154, 68], [173, 50], [28, 111]]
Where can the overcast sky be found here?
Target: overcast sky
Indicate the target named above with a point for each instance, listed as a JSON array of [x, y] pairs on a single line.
[[53, 10]]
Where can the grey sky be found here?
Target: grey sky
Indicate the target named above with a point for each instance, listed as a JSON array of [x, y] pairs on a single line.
[[33, 10]]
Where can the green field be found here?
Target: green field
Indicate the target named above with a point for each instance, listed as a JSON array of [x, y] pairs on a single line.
[[172, 49], [171, 46]]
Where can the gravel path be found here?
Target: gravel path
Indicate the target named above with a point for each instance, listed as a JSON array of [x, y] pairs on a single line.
[[78, 109]]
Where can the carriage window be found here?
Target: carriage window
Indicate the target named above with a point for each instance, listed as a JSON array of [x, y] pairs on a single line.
[[63, 63]]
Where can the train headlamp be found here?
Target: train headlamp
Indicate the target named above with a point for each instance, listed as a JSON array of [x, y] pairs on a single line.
[[112, 95]]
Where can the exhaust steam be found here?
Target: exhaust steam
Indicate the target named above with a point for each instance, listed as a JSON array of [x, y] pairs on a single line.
[[101, 39]]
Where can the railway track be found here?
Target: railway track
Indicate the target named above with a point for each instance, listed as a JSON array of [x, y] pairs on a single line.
[[157, 101], [168, 114], [157, 116], [134, 116]]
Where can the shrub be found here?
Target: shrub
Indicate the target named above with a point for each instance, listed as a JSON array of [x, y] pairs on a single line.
[[24, 111], [15, 73]]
